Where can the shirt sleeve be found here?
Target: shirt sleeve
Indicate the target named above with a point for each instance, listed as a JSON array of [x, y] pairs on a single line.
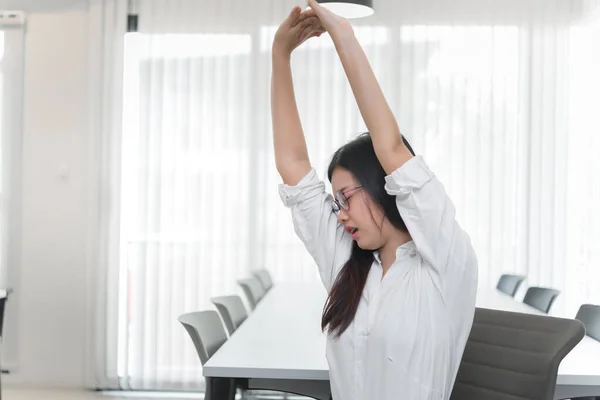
[[316, 225], [429, 215]]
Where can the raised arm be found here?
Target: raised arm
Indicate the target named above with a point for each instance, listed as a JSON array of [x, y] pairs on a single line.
[[291, 156], [421, 199], [387, 140]]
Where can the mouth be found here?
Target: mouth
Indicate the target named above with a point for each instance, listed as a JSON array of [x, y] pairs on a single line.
[[352, 231]]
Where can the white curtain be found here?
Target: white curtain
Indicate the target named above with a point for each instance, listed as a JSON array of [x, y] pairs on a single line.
[[11, 123], [501, 98], [581, 216], [106, 35]]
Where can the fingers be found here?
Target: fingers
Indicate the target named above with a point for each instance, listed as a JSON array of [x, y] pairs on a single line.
[[310, 21], [293, 16], [313, 4], [312, 31], [307, 23], [313, 34], [304, 35], [304, 15], [319, 32]]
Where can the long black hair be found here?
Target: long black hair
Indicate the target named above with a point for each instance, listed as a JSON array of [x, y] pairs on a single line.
[[359, 158]]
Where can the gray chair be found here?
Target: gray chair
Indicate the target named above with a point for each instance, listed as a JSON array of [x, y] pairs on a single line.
[[2, 310], [265, 279], [253, 290], [509, 284], [589, 314], [232, 311], [540, 298], [514, 356], [208, 335]]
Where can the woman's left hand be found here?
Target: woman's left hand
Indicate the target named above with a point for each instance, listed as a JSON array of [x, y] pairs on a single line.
[[333, 23]]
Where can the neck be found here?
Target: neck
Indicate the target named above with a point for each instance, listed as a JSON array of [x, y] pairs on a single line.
[[387, 252]]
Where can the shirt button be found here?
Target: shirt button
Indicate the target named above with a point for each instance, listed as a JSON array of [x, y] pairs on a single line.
[[366, 332]]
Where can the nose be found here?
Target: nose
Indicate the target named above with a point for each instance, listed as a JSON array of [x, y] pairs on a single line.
[[342, 216]]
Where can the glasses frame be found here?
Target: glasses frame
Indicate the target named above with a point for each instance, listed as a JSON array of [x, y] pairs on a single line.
[[341, 201]]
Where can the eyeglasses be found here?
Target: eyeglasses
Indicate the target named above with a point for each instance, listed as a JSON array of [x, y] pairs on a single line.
[[340, 201]]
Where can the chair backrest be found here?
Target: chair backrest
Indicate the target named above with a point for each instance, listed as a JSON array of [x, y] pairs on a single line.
[[590, 316], [232, 311], [3, 309], [206, 330], [265, 279], [509, 284], [514, 356], [540, 298], [253, 290]]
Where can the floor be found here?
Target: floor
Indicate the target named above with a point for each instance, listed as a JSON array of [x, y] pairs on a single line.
[[28, 394]]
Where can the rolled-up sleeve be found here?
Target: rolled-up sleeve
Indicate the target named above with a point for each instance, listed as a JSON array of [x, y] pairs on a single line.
[[429, 215], [316, 225]]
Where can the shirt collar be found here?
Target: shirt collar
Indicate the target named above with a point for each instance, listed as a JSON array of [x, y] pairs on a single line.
[[407, 248]]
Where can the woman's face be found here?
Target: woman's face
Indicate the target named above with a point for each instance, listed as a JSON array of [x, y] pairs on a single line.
[[363, 219]]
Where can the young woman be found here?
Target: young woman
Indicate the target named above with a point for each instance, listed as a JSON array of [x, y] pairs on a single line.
[[400, 272]]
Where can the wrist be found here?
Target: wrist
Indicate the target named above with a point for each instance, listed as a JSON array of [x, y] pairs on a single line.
[[342, 32], [280, 54]]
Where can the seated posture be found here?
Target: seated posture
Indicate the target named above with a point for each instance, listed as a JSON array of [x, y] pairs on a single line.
[[400, 272]]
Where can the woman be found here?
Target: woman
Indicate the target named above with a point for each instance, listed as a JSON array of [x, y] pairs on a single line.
[[400, 272]]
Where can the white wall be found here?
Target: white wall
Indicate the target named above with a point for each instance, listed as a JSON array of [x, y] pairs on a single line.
[[50, 306]]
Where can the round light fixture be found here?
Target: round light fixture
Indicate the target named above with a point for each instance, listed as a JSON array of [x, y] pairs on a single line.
[[349, 9]]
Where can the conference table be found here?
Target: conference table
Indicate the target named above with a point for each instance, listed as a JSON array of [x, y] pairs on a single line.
[[281, 347]]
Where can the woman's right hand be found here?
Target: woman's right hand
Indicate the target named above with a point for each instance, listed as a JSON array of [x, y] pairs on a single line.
[[298, 27]]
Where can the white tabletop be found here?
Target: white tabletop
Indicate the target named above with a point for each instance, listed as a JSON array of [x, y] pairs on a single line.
[[282, 339]]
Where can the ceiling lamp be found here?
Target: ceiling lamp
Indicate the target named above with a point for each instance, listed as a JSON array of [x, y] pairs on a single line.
[[349, 9]]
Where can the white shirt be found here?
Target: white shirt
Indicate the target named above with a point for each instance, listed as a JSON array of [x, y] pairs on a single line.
[[411, 327]]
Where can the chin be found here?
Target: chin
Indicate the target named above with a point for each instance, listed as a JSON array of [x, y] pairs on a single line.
[[366, 246], [369, 245]]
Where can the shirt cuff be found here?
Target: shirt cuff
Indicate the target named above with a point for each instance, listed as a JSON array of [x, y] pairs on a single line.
[[412, 175], [308, 187]]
